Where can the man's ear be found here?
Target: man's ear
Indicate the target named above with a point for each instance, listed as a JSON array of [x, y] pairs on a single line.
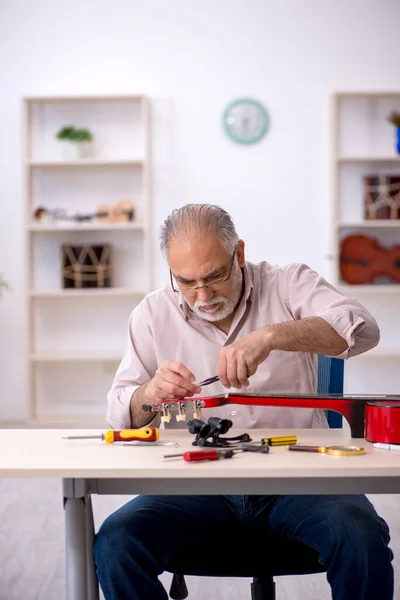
[[240, 253]]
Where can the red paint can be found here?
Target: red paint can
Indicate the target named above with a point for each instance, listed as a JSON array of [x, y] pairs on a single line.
[[382, 421]]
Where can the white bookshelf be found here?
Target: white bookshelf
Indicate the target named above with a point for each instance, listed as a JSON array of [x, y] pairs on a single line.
[[76, 337], [364, 144]]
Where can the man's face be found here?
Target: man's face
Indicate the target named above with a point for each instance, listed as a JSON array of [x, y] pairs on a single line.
[[207, 276]]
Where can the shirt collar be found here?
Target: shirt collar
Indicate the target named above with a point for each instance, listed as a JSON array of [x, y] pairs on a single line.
[[248, 290]]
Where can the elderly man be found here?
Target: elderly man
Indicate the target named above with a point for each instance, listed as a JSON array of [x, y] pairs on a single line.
[[259, 327]]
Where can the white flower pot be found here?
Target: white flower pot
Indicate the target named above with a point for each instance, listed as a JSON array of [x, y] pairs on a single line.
[[71, 151], [77, 150]]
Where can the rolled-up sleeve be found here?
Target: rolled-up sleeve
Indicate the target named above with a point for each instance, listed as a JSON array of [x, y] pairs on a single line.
[[310, 295], [137, 366]]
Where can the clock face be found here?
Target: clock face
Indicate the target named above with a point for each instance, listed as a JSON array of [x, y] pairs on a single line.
[[245, 121]]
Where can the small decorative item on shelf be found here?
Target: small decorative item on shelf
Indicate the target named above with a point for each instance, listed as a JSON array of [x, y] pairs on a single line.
[[86, 266], [394, 119], [363, 260], [77, 142], [382, 197], [121, 212]]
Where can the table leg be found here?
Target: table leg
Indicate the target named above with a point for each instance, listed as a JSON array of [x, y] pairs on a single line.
[[81, 576], [75, 548], [92, 581]]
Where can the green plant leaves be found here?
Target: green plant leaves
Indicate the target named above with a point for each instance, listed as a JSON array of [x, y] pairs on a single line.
[[71, 133]]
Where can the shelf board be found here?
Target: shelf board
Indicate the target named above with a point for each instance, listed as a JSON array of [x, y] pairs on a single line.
[[352, 290], [105, 98], [368, 159], [389, 223], [84, 293], [47, 228], [85, 162], [368, 94], [64, 357], [380, 353]]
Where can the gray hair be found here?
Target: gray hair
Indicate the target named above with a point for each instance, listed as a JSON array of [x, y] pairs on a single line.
[[198, 220]]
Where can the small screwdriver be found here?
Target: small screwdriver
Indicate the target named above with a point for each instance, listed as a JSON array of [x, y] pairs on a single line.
[[202, 455], [144, 434]]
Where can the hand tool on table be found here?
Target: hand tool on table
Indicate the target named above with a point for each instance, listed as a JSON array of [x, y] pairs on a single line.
[[149, 434], [199, 455], [333, 450], [261, 448], [216, 454], [280, 440]]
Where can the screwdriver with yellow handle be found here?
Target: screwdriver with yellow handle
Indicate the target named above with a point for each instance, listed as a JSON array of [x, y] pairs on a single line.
[[144, 434]]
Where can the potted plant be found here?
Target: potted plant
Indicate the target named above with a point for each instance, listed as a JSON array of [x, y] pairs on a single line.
[[77, 142], [394, 119]]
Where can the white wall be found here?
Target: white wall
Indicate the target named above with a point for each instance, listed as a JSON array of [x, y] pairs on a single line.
[[192, 58]]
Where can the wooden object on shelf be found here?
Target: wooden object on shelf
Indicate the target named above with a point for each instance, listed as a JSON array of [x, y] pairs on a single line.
[[121, 212], [382, 197], [86, 266], [364, 260]]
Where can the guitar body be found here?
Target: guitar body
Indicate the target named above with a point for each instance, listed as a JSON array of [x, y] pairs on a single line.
[[363, 260]]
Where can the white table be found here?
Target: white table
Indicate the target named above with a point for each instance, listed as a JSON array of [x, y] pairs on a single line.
[[94, 467]]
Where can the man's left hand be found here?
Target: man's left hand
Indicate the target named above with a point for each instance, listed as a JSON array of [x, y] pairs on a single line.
[[238, 361]]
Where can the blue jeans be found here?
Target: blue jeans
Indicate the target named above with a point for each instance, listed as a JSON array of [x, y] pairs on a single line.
[[135, 543]]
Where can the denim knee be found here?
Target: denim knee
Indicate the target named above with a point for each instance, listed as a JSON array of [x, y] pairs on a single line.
[[109, 540], [361, 528]]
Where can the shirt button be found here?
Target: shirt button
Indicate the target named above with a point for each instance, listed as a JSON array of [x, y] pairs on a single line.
[[233, 413]]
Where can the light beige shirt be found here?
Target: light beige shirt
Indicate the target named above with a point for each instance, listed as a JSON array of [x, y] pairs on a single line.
[[163, 327]]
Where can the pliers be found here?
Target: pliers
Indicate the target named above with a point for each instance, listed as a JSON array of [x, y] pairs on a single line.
[[209, 381]]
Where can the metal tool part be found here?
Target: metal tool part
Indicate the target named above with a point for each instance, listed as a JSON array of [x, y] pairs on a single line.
[[333, 450], [209, 381], [175, 444]]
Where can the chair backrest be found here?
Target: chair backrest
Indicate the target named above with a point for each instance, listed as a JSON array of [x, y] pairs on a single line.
[[330, 381]]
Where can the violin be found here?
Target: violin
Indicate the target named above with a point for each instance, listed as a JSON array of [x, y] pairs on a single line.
[[363, 259]]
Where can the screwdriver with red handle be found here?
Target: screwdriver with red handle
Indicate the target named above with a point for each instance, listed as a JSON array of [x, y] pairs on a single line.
[[202, 455], [144, 434]]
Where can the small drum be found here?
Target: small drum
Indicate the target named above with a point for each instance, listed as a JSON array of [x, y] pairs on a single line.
[[86, 266]]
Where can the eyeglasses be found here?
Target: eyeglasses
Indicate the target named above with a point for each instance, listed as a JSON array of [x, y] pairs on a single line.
[[213, 283]]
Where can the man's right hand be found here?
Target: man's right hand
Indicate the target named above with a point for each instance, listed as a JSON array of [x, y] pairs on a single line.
[[171, 381]]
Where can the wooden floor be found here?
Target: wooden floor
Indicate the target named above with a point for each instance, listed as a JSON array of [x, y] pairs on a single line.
[[32, 548]]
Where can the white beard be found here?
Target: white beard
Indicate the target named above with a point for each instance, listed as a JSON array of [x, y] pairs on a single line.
[[228, 304]]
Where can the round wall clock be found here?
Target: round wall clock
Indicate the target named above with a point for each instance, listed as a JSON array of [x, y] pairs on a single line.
[[245, 120]]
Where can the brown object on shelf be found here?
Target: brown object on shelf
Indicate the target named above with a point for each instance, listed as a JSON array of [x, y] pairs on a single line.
[[86, 266], [121, 212], [363, 259], [382, 197]]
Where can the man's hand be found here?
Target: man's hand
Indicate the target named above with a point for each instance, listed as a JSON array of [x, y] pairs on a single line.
[[238, 361], [171, 381]]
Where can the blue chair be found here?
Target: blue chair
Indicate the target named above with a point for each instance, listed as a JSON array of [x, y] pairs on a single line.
[[206, 559], [330, 381]]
